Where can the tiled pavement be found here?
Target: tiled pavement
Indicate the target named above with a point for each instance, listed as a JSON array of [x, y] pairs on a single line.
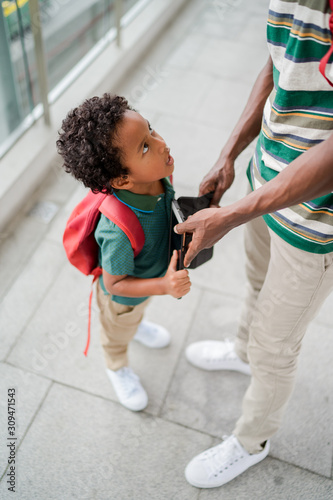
[[74, 440]]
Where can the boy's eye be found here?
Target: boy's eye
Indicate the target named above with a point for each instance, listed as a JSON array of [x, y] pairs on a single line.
[[145, 148]]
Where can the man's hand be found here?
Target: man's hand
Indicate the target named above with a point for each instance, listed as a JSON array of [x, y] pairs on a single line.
[[218, 179], [177, 283], [308, 177], [207, 228]]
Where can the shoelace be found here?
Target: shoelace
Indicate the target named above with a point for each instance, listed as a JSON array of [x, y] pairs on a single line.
[[227, 353], [129, 381], [221, 457]]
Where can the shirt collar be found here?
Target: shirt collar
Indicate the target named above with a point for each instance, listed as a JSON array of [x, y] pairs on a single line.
[[142, 202]]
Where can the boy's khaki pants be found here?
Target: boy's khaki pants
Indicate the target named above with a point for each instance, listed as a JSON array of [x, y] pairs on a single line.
[[286, 287], [119, 324]]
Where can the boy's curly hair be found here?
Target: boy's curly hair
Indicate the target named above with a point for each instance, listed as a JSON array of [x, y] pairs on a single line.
[[85, 142]]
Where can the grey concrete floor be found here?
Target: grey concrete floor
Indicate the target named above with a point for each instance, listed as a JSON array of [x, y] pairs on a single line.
[[74, 440]]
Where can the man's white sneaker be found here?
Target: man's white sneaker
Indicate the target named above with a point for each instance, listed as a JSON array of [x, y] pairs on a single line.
[[128, 388], [221, 464], [216, 355], [152, 335]]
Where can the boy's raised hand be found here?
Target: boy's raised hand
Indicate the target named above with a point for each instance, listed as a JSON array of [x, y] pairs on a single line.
[[177, 283]]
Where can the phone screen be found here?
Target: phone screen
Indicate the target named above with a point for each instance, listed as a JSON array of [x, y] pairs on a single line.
[[180, 242]]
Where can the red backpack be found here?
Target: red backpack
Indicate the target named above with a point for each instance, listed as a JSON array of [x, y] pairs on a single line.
[[326, 58], [79, 241]]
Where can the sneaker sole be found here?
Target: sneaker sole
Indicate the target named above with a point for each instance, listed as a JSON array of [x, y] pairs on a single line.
[[229, 475]]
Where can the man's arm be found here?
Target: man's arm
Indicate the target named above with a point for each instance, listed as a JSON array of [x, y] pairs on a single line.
[[222, 174], [306, 178]]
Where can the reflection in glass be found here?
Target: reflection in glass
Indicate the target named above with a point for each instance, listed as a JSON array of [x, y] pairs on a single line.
[[70, 28]]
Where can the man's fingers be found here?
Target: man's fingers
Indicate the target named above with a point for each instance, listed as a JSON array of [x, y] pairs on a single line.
[[216, 199], [207, 186], [219, 191], [190, 254]]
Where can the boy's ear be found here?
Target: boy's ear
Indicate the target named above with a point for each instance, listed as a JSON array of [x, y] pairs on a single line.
[[121, 182]]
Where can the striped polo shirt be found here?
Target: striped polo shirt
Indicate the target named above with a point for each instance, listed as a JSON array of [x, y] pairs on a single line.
[[297, 115], [116, 254]]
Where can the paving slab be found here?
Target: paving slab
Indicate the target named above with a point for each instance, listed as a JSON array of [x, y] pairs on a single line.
[[53, 341], [220, 19], [179, 92], [161, 51], [221, 59], [56, 229], [24, 233], [187, 50], [156, 367], [145, 80], [57, 186], [22, 238], [273, 480], [254, 33], [82, 446], [192, 161], [208, 401], [27, 291], [30, 391], [305, 438], [228, 20], [224, 103]]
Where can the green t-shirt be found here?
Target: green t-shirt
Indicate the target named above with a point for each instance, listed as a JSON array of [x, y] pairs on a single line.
[[116, 254]]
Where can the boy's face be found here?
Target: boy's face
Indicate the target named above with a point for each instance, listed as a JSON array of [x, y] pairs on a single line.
[[144, 152]]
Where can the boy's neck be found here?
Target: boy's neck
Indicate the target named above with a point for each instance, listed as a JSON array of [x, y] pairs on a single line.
[[153, 189]]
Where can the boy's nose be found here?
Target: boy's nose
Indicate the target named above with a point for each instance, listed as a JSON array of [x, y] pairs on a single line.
[[162, 145]]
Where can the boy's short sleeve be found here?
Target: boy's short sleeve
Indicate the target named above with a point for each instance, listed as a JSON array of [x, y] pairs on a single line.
[[116, 254]]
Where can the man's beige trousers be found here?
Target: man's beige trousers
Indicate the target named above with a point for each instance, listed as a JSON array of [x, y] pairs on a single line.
[[286, 288]]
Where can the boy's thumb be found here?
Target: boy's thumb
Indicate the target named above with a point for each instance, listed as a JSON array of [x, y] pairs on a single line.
[[173, 261]]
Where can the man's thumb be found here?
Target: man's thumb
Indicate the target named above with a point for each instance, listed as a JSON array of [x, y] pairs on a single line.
[[179, 228]]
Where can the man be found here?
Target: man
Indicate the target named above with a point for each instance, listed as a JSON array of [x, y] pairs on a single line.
[[289, 250]]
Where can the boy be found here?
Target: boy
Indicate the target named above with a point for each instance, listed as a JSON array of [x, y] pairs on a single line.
[[111, 148]]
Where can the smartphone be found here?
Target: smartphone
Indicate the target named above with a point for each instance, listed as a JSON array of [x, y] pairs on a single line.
[[181, 209], [181, 242]]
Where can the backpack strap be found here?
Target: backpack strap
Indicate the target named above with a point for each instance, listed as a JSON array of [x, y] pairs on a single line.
[[126, 220], [326, 58]]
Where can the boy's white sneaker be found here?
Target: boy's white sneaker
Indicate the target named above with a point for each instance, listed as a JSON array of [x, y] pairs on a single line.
[[221, 464], [216, 355], [128, 388], [152, 335]]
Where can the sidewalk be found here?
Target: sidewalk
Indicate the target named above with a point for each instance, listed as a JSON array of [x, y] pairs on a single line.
[[74, 440]]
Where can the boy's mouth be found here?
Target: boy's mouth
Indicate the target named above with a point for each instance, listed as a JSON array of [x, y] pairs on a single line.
[[170, 161]]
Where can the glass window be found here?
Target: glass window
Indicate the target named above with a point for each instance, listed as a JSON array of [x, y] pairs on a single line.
[[70, 29], [17, 96]]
